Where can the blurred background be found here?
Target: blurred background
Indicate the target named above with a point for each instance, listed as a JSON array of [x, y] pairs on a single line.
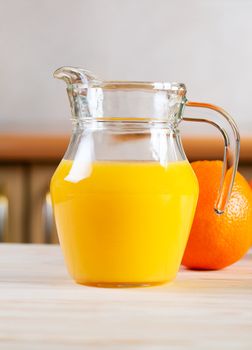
[[205, 44]]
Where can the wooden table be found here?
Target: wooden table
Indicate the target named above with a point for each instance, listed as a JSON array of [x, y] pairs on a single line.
[[41, 308]]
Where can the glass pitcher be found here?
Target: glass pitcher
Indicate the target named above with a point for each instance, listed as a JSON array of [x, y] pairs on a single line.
[[124, 195]]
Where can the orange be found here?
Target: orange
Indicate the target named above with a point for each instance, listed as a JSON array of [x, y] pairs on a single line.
[[217, 241]]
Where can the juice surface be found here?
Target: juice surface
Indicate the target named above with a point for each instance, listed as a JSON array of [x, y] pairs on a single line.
[[126, 222]]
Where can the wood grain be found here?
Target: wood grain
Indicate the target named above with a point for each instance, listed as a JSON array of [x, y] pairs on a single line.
[[53, 147], [41, 308]]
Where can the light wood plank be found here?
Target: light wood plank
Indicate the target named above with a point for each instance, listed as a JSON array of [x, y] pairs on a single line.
[[41, 308]]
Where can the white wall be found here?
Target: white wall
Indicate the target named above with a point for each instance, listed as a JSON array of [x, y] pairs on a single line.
[[206, 44]]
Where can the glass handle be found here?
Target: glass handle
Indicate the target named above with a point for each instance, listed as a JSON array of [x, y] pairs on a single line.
[[231, 137]]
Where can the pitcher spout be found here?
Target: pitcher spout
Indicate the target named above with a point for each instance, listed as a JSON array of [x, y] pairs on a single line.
[[75, 75], [83, 99]]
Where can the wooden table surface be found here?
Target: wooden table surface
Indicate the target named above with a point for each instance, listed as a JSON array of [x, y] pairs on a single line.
[[41, 308]]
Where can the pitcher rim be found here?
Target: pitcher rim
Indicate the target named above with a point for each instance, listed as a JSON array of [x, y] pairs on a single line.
[[173, 87]]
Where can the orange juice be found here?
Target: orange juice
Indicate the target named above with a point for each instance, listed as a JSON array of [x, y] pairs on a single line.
[[125, 223]]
